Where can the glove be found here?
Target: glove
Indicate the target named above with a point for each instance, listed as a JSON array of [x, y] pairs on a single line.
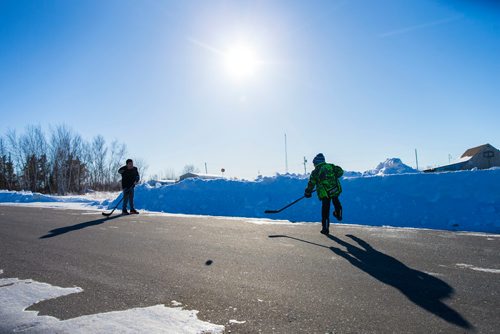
[[307, 194]]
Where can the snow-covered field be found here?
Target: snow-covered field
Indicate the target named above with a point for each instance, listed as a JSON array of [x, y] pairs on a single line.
[[465, 201]]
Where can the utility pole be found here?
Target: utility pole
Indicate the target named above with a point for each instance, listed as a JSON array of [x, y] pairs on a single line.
[[305, 168], [416, 158], [206, 170], [286, 156]]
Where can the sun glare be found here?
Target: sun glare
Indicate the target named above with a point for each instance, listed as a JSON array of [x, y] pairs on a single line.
[[241, 61]]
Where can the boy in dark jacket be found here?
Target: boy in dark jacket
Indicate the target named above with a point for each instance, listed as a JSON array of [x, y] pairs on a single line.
[[130, 177], [325, 177]]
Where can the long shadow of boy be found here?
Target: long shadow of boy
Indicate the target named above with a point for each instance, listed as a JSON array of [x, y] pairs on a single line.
[[66, 229], [422, 289]]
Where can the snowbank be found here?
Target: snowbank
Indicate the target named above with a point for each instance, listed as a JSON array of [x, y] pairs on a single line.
[[465, 200], [391, 166], [30, 197]]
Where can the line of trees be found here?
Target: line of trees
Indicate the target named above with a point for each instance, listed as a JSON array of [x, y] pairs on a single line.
[[58, 163]]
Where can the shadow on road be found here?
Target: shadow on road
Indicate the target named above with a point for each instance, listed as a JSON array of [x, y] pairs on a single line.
[[422, 289], [66, 229]]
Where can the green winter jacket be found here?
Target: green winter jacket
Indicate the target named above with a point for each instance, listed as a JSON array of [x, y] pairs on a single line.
[[325, 177]]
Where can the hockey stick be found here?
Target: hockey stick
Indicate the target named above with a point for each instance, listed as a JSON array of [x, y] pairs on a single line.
[[287, 206], [110, 213]]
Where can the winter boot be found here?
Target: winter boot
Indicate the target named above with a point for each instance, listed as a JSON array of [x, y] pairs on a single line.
[[326, 227], [338, 214], [125, 212], [134, 212]]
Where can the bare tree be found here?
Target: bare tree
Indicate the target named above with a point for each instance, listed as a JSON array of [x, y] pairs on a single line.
[[60, 142], [116, 158], [63, 163], [190, 169], [142, 167], [68, 171], [77, 170], [168, 174], [15, 151], [7, 176], [87, 159], [33, 148], [97, 162]]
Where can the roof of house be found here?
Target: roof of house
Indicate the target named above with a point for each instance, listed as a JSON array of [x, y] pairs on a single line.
[[202, 176], [453, 166], [475, 150]]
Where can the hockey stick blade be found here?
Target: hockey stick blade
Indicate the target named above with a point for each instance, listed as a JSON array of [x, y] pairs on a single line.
[[286, 206], [109, 214]]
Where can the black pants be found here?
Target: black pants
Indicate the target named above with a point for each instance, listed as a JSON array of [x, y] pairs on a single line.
[[128, 196], [325, 210]]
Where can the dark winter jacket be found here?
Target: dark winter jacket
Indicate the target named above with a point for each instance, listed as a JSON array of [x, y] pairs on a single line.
[[325, 177], [129, 176]]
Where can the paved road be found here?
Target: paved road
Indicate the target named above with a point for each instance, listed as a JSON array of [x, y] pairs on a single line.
[[278, 278]]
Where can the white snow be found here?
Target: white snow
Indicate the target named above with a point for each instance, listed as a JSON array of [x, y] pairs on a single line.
[[463, 159], [458, 201], [58, 205], [93, 200], [470, 266], [391, 166], [17, 295], [489, 236], [206, 176], [233, 321], [264, 221], [463, 201]]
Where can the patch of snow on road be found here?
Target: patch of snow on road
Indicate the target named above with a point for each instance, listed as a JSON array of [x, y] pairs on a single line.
[[233, 321], [470, 266], [472, 234], [264, 221], [17, 295]]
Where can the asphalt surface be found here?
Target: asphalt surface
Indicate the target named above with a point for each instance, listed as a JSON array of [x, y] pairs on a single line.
[[277, 278]]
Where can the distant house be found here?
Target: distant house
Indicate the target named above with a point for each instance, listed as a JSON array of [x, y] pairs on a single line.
[[481, 157], [200, 176]]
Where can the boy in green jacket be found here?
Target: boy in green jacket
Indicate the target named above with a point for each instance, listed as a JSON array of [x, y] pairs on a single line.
[[325, 177]]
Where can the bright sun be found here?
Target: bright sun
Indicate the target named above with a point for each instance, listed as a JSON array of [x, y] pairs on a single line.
[[241, 61]]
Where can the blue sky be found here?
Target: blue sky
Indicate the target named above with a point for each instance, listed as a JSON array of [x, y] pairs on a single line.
[[360, 81]]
